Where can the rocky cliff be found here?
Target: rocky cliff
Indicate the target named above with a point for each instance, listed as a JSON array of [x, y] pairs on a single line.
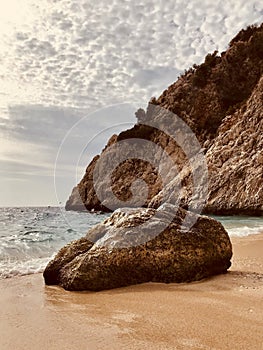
[[221, 101]]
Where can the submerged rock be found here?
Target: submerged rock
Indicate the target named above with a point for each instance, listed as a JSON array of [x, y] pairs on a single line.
[[142, 245]]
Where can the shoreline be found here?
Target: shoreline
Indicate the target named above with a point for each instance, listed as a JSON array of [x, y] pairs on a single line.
[[222, 312]]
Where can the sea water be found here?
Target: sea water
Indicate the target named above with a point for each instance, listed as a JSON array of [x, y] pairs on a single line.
[[30, 237]]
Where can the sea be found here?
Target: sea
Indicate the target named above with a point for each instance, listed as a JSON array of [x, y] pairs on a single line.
[[31, 236]]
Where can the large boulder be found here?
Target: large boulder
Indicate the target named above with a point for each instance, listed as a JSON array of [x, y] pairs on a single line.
[[143, 245]]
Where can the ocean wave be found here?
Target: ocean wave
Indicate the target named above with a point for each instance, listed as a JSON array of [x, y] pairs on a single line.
[[30, 236], [20, 268], [241, 226], [244, 231]]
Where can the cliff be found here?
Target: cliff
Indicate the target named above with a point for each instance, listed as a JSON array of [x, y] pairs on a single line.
[[221, 101]]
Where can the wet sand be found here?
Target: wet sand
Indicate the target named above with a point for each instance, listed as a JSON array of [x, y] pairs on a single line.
[[223, 312]]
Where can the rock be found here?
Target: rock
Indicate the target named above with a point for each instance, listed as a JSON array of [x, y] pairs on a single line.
[[221, 101], [142, 245], [235, 161], [65, 255]]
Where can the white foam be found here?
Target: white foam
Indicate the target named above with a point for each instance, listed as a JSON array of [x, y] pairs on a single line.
[[244, 231], [241, 226], [21, 268]]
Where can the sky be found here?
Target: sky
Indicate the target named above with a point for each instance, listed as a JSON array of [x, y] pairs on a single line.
[[73, 72]]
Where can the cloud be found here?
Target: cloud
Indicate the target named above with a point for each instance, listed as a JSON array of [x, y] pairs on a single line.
[[83, 54], [40, 125], [37, 142], [156, 79]]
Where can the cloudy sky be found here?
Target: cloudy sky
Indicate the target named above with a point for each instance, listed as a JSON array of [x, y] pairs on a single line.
[[74, 69]]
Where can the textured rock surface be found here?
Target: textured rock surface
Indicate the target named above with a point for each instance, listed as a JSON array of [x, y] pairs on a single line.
[[221, 100], [235, 160], [235, 163], [125, 252]]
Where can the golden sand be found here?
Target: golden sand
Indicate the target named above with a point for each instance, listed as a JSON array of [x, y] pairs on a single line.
[[223, 312]]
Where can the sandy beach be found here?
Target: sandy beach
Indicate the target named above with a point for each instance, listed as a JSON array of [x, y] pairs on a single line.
[[223, 312]]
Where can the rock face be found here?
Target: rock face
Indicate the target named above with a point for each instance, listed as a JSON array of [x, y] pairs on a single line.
[[235, 160], [235, 163], [122, 251], [221, 101]]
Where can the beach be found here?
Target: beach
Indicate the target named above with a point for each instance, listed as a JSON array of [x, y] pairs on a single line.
[[222, 312]]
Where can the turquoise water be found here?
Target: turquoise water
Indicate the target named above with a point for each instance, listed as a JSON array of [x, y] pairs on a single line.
[[29, 237], [241, 226]]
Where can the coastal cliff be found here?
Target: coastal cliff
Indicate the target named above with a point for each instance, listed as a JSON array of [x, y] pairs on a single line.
[[221, 101]]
